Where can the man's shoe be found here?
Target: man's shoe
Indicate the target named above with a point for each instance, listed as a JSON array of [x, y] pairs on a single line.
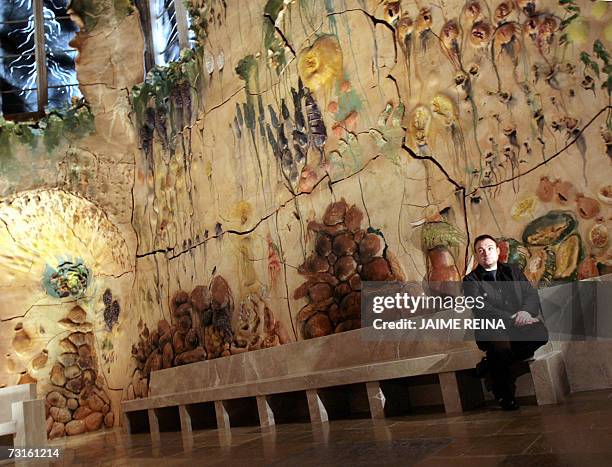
[[508, 404]]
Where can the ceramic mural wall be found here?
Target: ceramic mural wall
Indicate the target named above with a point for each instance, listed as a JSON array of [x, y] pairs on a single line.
[[67, 246], [301, 147]]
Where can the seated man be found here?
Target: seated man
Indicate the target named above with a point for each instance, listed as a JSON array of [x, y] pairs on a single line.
[[517, 304]]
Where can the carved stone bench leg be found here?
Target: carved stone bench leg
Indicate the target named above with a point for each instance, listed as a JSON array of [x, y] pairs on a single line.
[[450, 392], [185, 417], [127, 427], [549, 378], [153, 424], [223, 421], [320, 433], [266, 416], [317, 410], [30, 423], [186, 428], [376, 399]]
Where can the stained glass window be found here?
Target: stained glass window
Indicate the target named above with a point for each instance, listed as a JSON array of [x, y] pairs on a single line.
[[37, 64], [170, 30]]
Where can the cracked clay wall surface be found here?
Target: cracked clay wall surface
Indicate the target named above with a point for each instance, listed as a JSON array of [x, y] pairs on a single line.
[[67, 244], [300, 149], [333, 142]]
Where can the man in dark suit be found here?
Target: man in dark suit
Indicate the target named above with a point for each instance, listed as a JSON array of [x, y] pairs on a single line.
[[509, 296]]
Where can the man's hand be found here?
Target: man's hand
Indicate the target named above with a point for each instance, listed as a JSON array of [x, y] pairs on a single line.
[[523, 318]]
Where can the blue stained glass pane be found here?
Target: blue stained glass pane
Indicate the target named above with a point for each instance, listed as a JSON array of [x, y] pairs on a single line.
[[59, 7], [18, 73], [15, 10], [61, 71], [59, 96], [190, 32], [165, 32]]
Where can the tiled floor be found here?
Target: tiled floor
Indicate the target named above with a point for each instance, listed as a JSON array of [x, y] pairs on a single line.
[[578, 433]]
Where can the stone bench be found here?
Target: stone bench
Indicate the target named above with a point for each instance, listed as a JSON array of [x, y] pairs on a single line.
[[22, 416], [8, 428], [314, 379], [549, 375]]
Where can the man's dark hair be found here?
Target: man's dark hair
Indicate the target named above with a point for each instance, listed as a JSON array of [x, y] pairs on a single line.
[[483, 237]]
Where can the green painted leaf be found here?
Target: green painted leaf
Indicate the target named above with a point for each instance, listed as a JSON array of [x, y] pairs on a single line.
[[585, 58], [601, 52], [567, 21]]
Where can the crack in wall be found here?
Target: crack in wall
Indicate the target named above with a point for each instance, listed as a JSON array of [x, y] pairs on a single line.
[[546, 160], [31, 307], [115, 276], [106, 85], [365, 206], [260, 221], [280, 33], [200, 119], [414, 155], [215, 107], [375, 21], [8, 230], [461, 191], [154, 252], [280, 246]]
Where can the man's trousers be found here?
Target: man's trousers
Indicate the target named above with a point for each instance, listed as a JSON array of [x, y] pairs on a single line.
[[508, 347]]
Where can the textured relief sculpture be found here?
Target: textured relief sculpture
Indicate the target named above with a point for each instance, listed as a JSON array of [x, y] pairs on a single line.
[[562, 244], [255, 326], [553, 250], [111, 309], [274, 262], [168, 344], [291, 139], [273, 42], [513, 251], [217, 319], [321, 69], [555, 247], [440, 241], [62, 249], [76, 399], [165, 99], [497, 109], [205, 324], [388, 135], [294, 131], [321, 65], [69, 279], [418, 128], [344, 255]]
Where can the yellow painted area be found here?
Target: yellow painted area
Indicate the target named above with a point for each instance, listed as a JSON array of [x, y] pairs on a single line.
[[243, 211], [578, 31], [320, 65], [524, 209]]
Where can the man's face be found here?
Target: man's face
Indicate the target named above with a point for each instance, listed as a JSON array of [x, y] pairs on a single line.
[[487, 253]]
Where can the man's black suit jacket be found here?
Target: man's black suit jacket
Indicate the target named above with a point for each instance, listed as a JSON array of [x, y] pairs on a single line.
[[502, 301]]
